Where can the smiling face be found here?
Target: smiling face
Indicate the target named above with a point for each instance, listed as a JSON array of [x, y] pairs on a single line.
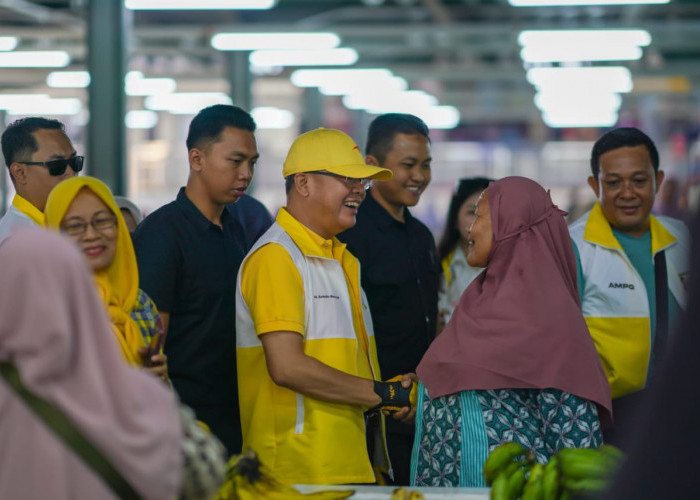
[[331, 205], [98, 246], [409, 159], [626, 188], [465, 216], [480, 239], [226, 166]]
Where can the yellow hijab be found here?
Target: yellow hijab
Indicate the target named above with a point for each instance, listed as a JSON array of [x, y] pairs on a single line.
[[117, 285]]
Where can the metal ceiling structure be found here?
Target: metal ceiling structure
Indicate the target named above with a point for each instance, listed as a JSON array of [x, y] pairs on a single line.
[[463, 51]]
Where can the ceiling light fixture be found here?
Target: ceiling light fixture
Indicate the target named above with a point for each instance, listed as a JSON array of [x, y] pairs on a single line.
[[68, 79], [582, 45], [587, 78], [141, 119], [548, 3], [271, 41], [136, 84], [38, 104], [327, 57], [34, 59], [8, 43], [268, 117], [185, 103], [200, 4]]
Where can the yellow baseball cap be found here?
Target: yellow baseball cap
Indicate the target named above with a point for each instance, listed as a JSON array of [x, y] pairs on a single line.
[[333, 151]]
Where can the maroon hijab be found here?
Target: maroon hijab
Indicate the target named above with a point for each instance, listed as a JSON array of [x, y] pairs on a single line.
[[519, 324]]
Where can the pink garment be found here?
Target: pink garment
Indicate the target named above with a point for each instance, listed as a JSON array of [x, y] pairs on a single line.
[[519, 324], [55, 330]]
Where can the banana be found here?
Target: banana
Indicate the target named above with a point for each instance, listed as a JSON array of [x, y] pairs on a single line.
[[248, 479], [499, 488], [583, 464], [399, 494], [415, 495], [534, 487], [588, 485], [500, 457], [515, 483], [550, 479]]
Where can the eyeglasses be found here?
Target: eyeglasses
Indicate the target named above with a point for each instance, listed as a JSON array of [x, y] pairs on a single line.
[[350, 182], [58, 167], [100, 223]]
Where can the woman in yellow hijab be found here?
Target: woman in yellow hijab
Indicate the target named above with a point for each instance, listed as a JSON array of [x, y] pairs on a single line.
[[84, 210]]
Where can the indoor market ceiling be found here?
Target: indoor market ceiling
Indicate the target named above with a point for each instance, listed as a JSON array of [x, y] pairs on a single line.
[[464, 52]]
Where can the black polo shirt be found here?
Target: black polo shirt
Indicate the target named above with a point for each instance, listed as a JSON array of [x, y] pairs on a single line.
[[188, 266], [399, 273]]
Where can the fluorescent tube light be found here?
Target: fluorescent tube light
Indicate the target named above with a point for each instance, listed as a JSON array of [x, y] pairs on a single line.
[[566, 101], [200, 4], [141, 119], [548, 3], [267, 117], [582, 45], [187, 103], [136, 84], [544, 38], [580, 120], [34, 59], [38, 104], [68, 79], [327, 57], [8, 43], [443, 117], [270, 41], [584, 79], [320, 77]]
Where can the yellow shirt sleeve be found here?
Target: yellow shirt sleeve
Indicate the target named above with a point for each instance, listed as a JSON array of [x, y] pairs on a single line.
[[272, 288]]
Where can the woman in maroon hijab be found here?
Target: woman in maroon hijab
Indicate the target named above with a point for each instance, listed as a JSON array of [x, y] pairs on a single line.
[[516, 361]]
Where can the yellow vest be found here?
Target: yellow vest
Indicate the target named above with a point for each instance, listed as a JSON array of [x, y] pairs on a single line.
[[615, 303], [302, 439]]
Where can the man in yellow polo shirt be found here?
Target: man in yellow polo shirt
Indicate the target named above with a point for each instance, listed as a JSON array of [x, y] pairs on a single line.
[[38, 155], [307, 362]]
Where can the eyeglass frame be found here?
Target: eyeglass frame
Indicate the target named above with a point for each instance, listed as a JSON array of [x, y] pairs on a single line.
[[350, 182], [84, 225], [75, 162]]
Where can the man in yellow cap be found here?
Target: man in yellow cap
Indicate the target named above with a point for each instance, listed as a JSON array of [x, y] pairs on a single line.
[[306, 356], [38, 155]]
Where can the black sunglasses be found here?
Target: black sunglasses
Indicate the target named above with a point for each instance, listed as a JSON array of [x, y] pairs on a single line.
[[58, 167]]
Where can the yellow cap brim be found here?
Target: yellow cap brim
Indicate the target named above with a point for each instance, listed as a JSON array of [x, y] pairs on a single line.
[[362, 171]]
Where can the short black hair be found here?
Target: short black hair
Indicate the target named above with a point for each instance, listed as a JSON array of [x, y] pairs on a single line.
[[288, 183], [211, 121], [18, 141], [380, 138], [624, 137], [465, 189]]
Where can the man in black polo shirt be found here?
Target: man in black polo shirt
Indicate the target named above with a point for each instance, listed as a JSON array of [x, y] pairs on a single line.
[[398, 260], [189, 252]]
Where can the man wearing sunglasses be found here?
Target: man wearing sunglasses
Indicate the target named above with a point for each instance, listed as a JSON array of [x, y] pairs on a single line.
[[38, 155]]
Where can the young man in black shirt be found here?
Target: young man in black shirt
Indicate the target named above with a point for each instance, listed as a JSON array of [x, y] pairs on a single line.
[[398, 260], [189, 252]]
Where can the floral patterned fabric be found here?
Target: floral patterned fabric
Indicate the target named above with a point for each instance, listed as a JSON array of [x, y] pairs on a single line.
[[455, 433]]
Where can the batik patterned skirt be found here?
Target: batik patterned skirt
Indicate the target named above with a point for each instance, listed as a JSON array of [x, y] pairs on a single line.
[[455, 433]]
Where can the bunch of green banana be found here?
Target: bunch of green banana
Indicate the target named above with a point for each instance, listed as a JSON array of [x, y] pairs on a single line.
[[248, 479], [512, 472], [587, 470]]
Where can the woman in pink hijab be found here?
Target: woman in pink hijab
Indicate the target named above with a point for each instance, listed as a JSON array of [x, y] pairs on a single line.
[[56, 334], [516, 361]]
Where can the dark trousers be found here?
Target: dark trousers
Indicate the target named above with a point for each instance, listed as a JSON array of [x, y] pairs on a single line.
[[400, 446], [625, 412]]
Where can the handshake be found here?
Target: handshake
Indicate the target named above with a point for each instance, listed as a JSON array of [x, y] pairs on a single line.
[[394, 395]]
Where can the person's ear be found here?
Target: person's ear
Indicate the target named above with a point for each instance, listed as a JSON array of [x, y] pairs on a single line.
[[659, 179], [301, 184], [595, 186], [195, 157], [18, 171], [371, 160]]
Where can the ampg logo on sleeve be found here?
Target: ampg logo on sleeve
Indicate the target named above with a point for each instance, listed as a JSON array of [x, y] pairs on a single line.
[[629, 286]]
